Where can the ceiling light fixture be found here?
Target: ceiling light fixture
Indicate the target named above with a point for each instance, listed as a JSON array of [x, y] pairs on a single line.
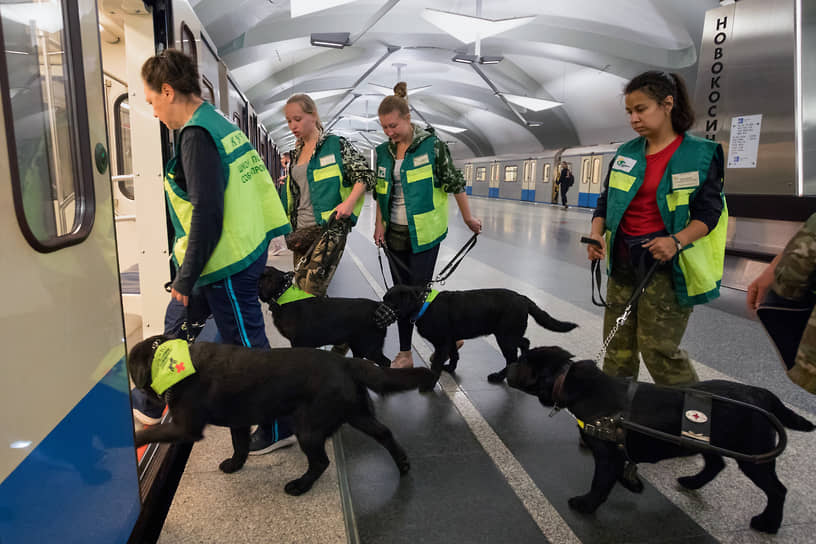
[[467, 28], [448, 128], [304, 7], [335, 40], [531, 103], [464, 58], [490, 60]]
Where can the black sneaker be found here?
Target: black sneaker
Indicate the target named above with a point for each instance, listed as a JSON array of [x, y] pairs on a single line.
[[264, 441], [146, 410]]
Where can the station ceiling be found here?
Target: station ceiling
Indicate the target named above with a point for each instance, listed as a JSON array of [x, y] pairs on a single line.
[[578, 53]]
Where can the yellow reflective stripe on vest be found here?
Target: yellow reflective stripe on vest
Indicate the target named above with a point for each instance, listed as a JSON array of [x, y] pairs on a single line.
[[332, 171], [621, 181], [382, 186], [678, 198], [417, 174], [233, 141], [433, 224], [702, 262]]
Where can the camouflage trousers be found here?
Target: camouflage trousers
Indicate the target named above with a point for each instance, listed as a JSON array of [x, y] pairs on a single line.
[[314, 272], [795, 278], [654, 330]]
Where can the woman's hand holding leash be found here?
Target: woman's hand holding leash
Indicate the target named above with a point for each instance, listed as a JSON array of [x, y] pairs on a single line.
[[662, 248], [473, 224], [596, 246]]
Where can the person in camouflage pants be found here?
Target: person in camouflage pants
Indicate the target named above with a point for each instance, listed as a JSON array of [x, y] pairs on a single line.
[[792, 275], [654, 328]]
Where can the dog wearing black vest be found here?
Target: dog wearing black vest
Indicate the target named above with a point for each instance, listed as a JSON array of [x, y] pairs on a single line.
[[550, 374], [237, 387]]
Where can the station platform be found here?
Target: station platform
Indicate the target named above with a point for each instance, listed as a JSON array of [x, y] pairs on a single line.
[[487, 463]]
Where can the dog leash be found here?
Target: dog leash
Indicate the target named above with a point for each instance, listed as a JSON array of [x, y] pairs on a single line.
[[449, 268], [630, 305]]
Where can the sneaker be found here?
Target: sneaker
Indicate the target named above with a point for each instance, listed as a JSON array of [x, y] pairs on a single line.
[[262, 442], [404, 359], [146, 409]]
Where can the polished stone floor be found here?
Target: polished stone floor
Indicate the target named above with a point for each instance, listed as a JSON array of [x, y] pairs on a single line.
[[488, 464]]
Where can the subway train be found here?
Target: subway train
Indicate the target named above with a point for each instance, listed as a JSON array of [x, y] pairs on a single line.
[[85, 246], [79, 143]]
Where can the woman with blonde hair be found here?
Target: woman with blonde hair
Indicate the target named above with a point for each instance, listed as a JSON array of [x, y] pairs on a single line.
[[415, 172], [327, 177]]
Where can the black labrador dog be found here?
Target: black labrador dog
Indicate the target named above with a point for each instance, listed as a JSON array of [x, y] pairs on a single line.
[[237, 387], [324, 321], [458, 315], [590, 394]]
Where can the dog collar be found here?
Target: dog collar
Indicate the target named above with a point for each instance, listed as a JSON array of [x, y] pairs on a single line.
[[292, 294], [558, 390], [428, 299], [171, 364]]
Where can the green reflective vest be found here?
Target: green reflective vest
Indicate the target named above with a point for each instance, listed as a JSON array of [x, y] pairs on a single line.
[[425, 200], [293, 294], [698, 270], [327, 186], [253, 214]]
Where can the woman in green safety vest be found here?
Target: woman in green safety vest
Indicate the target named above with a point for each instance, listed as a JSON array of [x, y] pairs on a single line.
[[326, 177], [222, 203], [415, 173], [662, 201]]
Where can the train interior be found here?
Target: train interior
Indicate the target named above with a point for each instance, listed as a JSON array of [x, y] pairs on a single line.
[[487, 463]]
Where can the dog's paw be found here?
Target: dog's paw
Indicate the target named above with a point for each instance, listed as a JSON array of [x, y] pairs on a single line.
[[297, 487], [582, 504], [690, 482], [764, 524], [230, 465], [496, 377]]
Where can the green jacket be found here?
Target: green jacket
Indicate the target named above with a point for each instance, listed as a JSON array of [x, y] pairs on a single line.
[[253, 213], [427, 175], [334, 168], [698, 270]]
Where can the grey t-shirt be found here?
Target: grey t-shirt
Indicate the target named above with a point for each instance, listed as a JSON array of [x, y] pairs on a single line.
[[399, 215], [305, 211]]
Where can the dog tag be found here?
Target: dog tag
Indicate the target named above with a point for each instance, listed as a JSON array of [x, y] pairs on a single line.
[[696, 417]]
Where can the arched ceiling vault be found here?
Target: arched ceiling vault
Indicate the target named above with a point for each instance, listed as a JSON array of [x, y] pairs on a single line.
[[579, 54]]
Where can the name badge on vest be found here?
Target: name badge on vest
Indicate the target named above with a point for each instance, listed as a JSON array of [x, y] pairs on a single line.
[[684, 180], [419, 160], [381, 171], [624, 164], [327, 160]]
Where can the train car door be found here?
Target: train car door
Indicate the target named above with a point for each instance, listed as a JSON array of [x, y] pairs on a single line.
[[544, 188], [584, 176], [510, 186], [528, 181], [468, 173], [495, 180], [595, 181], [481, 185], [67, 468]]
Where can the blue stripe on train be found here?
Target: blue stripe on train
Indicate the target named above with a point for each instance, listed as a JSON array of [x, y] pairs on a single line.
[[493, 192], [80, 483]]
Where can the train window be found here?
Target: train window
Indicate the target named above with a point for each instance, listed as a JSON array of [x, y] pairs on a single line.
[[511, 173], [207, 92], [481, 173], [188, 43], [529, 170], [545, 173], [596, 169], [46, 123], [468, 173], [494, 172], [124, 158]]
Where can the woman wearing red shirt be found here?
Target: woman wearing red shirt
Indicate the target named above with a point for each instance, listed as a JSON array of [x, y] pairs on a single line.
[[662, 201]]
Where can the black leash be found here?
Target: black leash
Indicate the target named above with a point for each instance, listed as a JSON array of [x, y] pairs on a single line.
[[449, 268], [392, 259]]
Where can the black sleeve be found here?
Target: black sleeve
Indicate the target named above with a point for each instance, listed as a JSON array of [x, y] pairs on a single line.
[[206, 183], [600, 207], [708, 204]]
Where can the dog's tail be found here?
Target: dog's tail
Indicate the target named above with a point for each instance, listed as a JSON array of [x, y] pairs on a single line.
[[389, 380], [546, 320], [789, 418]]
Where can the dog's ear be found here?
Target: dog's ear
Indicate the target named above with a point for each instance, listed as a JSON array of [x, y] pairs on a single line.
[[140, 360]]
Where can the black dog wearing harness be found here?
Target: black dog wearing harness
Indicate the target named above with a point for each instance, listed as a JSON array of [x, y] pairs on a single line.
[[600, 403]]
